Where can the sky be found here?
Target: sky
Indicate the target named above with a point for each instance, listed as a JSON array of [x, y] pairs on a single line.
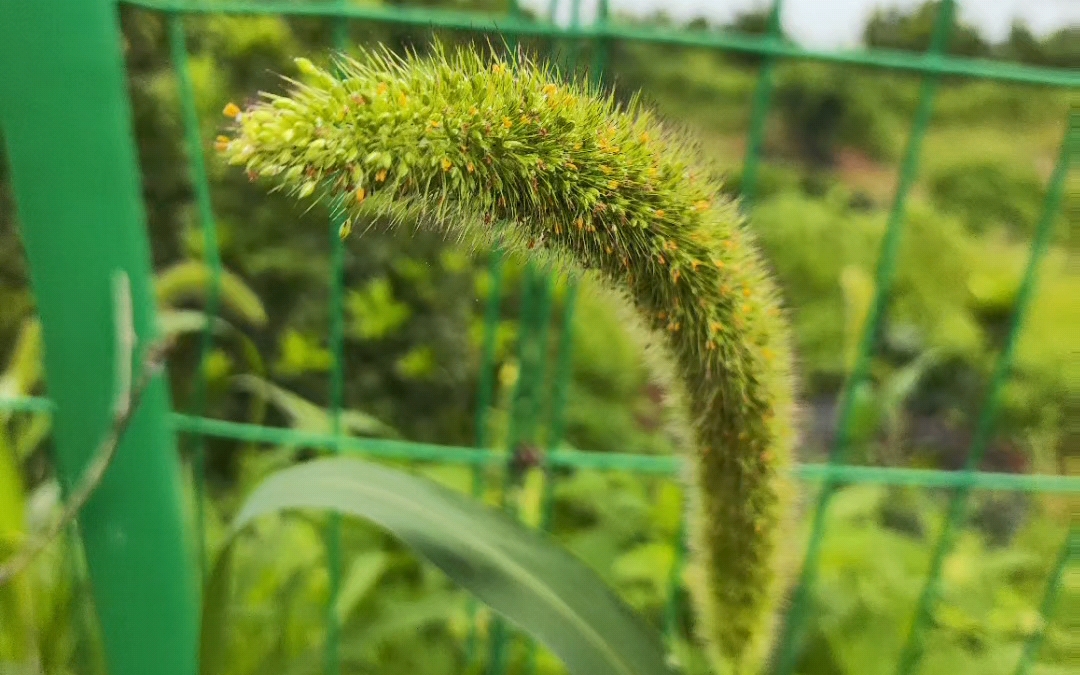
[[839, 23]]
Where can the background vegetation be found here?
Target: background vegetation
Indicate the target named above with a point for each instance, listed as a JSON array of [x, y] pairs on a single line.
[[414, 314]]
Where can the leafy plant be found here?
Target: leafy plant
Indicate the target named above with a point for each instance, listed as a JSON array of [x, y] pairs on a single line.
[[305, 415], [988, 195], [192, 279], [824, 109], [510, 567], [18, 640]]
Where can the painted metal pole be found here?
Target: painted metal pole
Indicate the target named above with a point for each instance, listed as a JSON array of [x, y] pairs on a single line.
[[66, 121]]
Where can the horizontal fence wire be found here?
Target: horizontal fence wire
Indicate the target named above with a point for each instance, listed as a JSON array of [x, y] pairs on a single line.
[[606, 461], [579, 459], [522, 27]]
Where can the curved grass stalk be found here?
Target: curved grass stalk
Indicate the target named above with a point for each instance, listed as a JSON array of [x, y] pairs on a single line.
[[500, 151]]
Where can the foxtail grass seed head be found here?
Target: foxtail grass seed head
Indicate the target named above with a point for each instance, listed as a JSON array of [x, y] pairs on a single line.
[[505, 151]]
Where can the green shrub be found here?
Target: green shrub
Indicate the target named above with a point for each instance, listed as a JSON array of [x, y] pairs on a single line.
[[987, 195], [824, 108]]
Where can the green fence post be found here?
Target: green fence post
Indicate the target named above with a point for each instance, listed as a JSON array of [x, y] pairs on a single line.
[[66, 117], [759, 113]]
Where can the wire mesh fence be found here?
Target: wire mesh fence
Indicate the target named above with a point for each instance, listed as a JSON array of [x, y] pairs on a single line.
[[538, 399]]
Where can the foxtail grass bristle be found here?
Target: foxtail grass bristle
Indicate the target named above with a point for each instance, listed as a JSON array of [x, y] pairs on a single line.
[[502, 151]]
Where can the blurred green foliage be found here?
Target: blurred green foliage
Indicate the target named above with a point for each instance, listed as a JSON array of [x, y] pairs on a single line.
[[413, 335]]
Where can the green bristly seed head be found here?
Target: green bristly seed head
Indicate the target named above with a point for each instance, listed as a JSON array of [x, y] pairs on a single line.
[[504, 152]]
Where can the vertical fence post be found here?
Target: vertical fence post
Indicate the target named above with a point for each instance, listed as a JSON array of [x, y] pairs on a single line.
[[66, 118], [759, 113]]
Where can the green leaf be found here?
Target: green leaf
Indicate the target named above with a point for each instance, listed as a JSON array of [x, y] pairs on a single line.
[[858, 290], [374, 311], [24, 366], [403, 618], [31, 434], [518, 572], [305, 415], [302, 354], [12, 497], [214, 639], [902, 384], [176, 322], [191, 279], [362, 577]]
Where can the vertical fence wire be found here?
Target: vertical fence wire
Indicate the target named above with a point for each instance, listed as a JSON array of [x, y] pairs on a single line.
[[524, 405], [552, 7], [563, 366], [497, 649], [211, 257], [485, 392], [337, 382], [887, 258], [573, 55], [332, 654], [600, 44], [759, 113], [537, 359], [984, 429], [557, 427], [674, 584], [1069, 550]]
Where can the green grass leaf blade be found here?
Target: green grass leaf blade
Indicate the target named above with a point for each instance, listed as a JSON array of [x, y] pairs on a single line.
[[520, 573]]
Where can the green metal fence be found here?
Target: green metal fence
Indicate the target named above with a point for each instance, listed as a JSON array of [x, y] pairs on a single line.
[[76, 181]]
